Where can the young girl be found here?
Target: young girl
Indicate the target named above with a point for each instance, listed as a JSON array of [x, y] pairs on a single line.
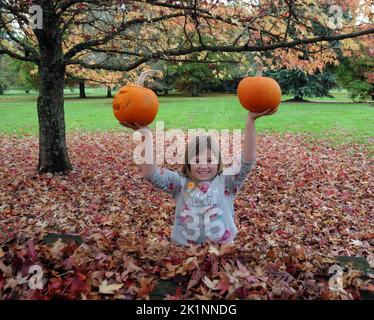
[[204, 195]]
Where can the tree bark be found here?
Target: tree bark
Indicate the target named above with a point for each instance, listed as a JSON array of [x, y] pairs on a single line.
[[82, 90], [53, 155], [109, 92]]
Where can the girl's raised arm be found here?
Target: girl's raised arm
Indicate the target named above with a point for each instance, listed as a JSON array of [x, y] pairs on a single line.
[[147, 169], [165, 179], [234, 182], [249, 148]]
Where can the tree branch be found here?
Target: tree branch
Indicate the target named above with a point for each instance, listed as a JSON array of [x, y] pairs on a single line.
[[84, 46], [108, 67], [289, 19], [16, 55], [26, 47], [178, 52], [64, 6]]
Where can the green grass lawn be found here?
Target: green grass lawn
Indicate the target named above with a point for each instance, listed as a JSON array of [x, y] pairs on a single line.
[[337, 121]]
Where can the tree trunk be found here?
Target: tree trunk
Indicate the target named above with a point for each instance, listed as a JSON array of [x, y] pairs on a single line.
[[53, 155], [109, 92], [297, 98], [82, 90], [1, 90], [195, 89]]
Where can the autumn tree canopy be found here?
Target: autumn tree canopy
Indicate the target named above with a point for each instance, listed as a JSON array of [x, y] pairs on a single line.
[[121, 35]]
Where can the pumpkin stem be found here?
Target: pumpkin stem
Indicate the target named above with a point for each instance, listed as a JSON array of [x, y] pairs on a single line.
[[145, 74], [260, 67]]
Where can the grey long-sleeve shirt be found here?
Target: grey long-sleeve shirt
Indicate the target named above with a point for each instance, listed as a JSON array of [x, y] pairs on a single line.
[[205, 210]]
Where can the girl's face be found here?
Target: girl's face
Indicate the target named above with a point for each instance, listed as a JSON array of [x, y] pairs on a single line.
[[201, 166]]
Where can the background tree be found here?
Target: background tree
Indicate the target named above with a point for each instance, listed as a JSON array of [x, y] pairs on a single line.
[[129, 35], [356, 74], [27, 75], [229, 70], [7, 78], [79, 76], [301, 84], [196, 76]]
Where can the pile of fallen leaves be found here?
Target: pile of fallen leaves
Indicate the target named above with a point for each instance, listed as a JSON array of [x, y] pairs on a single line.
[[303, 205]]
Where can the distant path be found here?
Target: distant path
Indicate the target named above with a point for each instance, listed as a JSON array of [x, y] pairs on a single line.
[[326, 102]]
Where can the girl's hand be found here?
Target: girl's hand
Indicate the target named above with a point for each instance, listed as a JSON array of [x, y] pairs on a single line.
[[134, 126], [256, 115]]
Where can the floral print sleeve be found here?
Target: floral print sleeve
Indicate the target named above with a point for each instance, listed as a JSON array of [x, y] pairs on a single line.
[[237, 173], [167, 180]]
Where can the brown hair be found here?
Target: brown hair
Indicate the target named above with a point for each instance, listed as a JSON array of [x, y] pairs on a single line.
[[198, 144]]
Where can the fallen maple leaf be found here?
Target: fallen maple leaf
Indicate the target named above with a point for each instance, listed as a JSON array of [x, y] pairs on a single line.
[[369, 288], [146, 286], [109, 289], [214, 250], [356, 243], [31, 250], [210, 284], [223, 285], [177, 296], [368, 236]]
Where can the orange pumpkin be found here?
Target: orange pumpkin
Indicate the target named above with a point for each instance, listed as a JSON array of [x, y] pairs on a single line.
[[258, 94], [136, 104]]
